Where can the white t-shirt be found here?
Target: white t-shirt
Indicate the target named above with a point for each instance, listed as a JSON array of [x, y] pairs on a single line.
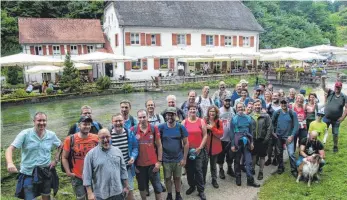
[[226, 116], [204, 104]]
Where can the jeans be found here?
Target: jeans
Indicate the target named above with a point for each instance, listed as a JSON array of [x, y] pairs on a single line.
[[213, 167], [335, 125], [226, 154], [246, 154], [291, 153], [194, 171]]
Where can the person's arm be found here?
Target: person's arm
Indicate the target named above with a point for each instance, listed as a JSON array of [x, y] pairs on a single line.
[[204, 136], [159, 148], [88, 175], [65, 162], [90, 193], [218, 132], [325, 89], [135, 150], [302, 151], [322, 153], [344, 112], [11, 168], [123, 173], [185, 151], [296, 124]]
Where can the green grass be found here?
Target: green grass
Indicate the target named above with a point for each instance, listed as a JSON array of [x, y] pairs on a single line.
[[333, 184]]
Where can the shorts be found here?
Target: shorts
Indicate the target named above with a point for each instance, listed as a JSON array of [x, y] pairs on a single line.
[[260, 149], [29, 190], [172, 169], [130, 179], [335, 125], [145, 175], [78, 188]]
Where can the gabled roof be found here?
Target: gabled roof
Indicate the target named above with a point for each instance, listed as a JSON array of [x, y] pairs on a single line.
[[225, 15], [59, 31]]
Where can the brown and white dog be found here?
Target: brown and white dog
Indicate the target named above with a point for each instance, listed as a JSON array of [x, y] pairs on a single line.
[[309, 169]]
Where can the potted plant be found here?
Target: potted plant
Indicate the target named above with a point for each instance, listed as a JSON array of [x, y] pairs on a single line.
[[163, 66], [136, 67]]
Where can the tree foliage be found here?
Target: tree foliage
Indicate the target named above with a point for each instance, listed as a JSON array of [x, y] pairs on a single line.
[[14, 75], [70, 79]]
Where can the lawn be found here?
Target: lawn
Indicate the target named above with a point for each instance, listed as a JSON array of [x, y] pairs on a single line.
[[333, 184]]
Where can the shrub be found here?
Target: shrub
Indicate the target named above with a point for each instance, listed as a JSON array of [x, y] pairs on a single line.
[[59, 92], [127, 88], [49, 91], [103, 82], [280, 69], [20, 93]]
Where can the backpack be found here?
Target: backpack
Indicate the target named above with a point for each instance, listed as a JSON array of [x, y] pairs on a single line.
[[96, 124], [132, 121], [277, 114], [181, 130], [332, 96], [200, 99], [71, 158]]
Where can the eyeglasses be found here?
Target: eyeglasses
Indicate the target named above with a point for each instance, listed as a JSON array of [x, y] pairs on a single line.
[[105, 137], [87, 113]]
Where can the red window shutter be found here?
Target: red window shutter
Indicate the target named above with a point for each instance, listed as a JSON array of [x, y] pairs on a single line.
[[127, 38], [156, 63], [32, 50], [127, 66], [50, 50], [240, 41], [255, 63], [216, 40], [144, 66], [68, 48], [157, 40], [203, 39], [116, 39], [44, 50], [172, 63], [62, 49], [143, 39], [252, 41], [189, 39], [234, 41], [85, 50], [79, 49], [174, 39], [148, 40], [222, 40]]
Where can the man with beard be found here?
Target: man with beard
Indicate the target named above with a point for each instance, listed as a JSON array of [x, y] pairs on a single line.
[[76, 147], [204, 101], [36, 144], [291, 97], [129, 121], [95, 126], [219, 96], [127, 143], [236, 94], [226, 114], [191, 99], [153, 118], [104, 173], [171, 102]]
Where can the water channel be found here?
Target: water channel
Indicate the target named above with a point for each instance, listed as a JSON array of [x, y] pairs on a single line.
[[62, 114]]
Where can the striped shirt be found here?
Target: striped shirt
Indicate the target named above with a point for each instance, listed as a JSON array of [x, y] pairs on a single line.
[[121, 141]]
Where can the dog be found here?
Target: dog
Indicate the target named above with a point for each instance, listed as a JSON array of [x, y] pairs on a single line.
[[309, 169]]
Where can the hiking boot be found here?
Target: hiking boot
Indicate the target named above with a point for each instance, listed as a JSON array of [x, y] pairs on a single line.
[[335, 149], [190, 190], [280, 170], [215, 184], [221, 173], [238, 180], [169, 196], [260, 176], [295, 174], [250, 182], [178, 197], [268, 162], [230, 171], [274, 162], [202, 196], [253, 171]]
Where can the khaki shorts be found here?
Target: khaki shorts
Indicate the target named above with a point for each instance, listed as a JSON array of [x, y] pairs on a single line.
[[172, 169]]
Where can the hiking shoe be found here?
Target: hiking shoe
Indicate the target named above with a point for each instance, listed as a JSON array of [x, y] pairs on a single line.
[[238, 181], [280, 170], [202, 196], [335, 149], [190, 190], [268, 162], [169, 196], [221, 173], [215, 184], [178, 197], [250, 182], [274, 162], [260, 176], [230, 171]]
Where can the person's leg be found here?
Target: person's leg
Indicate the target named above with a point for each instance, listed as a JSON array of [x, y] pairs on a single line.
[[28, 188], [237, 167], [131, 184], [279, 146], [167, 176], [142, 181], [271, 144], [204, 167], [220, 160], [177, 174], [335, 130], [156, 183], [213, 169], [190, 168], [199, 179], [79, 189], [292, 159], [248, 163]]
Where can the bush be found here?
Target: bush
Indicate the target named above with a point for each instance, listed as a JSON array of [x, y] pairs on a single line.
[[60, 92], [20, 93], [127, 88], [103, 82], [49, 91]]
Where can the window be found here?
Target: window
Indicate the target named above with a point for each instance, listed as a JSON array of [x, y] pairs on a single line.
[[209, 40], [56, 50], [46, 76], [73, 50], [228, 40], [181, 39], [90, 48], [246, 41], [135, 38], [164, 63], [216, 66], [153, 39], [136, 65], [38, 50]]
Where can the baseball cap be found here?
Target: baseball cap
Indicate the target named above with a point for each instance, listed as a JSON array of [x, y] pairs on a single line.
[[227, 98], [283, 101], [85, 119], [338, 84], [257, 88], [171, 110]]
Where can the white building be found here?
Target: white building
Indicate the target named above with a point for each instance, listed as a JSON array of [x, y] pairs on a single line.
[[144, 28]]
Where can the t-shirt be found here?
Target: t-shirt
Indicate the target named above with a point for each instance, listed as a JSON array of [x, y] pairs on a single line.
[[147, 153], [194, 133], [320, 127], [204, 104], [121, 141], [154, 120], [334, 106], [80, 149], [225, 116], [171, 139], [312, 147]]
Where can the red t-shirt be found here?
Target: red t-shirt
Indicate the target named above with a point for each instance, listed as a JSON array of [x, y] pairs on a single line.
[[147, 154], [81, 147], [194, 133], [300, 112]]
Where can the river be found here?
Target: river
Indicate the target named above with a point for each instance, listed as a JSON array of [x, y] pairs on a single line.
[[62, 114]]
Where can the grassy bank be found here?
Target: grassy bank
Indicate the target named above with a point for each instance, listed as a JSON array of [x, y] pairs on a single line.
[[333, 184]]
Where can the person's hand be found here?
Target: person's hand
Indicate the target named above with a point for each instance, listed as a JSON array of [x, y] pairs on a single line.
[[126, 191], [290, 139], [91, 196], [131, 161], [11, 168], [233, 149], [136, 170], [209, 126], [53, 164], [252, 146], [309, 158], [157, 167], [183, 162], [70, 174], [341, 119], [197, 151]]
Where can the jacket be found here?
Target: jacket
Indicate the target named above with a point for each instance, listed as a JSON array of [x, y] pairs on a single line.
[[240, 126], [213, 137], [262, 127]]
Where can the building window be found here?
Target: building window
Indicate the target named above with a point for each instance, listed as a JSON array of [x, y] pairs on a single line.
[[135, 38], [164, 63], [181, 39], [216, 66], [209, 40], [153, 39], [56, 50], [73, 50], [46, 76], [136, 65], [38, 50], [90, 48], [228, 40], [246, 41]]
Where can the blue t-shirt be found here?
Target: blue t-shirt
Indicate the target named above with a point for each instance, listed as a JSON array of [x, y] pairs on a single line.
[[171, 139]]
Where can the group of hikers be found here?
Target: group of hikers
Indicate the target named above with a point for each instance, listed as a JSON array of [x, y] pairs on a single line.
[[226, 127]]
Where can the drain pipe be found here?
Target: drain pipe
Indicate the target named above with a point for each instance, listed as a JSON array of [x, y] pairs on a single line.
[[123, 49]]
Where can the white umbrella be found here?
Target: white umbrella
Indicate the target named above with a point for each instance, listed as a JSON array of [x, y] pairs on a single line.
[[43, 69], [306, 56], [325, 49], [179, 53], [97, 57], [82, 66], [275, 57], [282, 49], [237, 52], [23, 59]]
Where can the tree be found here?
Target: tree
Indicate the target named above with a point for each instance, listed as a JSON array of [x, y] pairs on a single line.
[[70, 79], [13, 75]]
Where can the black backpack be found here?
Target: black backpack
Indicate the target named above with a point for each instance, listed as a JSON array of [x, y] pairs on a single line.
[[71, 158]]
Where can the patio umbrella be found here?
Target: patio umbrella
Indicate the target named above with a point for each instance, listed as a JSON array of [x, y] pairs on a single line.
[[82, 66], [307, 56], [43, 69], [281, 50], [275, 57], [23, 59], [97, 57], [325, 49]]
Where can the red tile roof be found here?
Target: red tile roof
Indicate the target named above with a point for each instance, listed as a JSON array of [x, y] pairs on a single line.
[[107, 46], [59, 31]]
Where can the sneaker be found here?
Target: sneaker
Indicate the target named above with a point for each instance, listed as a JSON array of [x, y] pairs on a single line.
[[221, 173], [178, 197], [268, 162], [230, 171], [260, 176], [335, 149], [169, 197], [280, 170], [190, 190], [202, 196], [274, 162], [215, 184]]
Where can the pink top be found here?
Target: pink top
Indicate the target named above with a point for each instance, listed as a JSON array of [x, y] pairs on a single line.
[[194, 133], [301, 116]]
